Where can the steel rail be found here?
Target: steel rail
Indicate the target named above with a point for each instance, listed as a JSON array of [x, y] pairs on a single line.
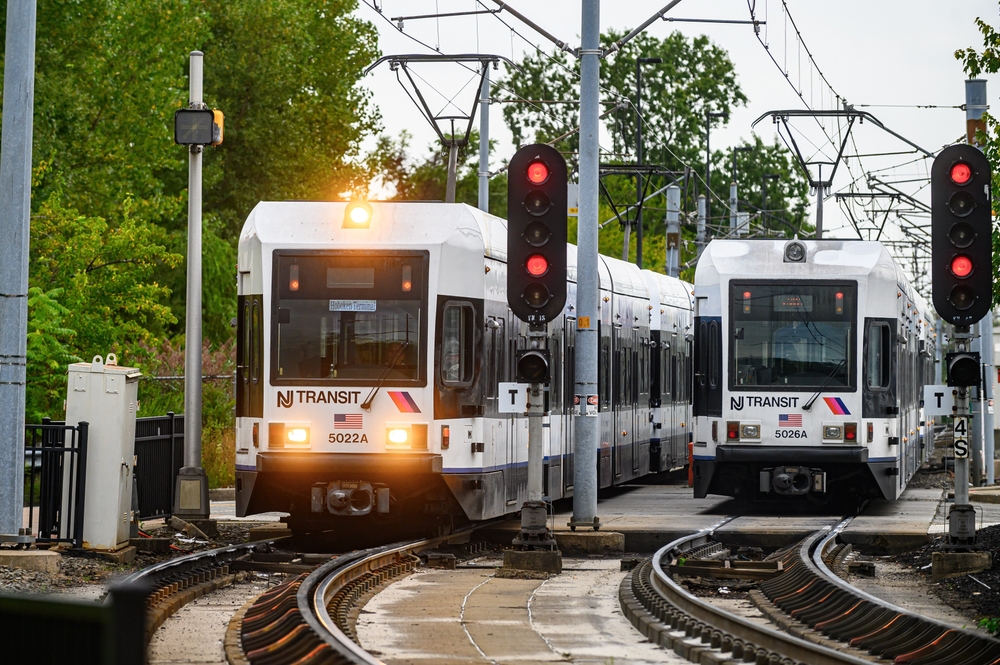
[[965, 646], [762, 637]]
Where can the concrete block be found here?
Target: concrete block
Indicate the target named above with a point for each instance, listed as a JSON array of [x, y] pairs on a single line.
[[208, 527], [153, 545], [590, 542], [39, 561], [958, 564], [268, 531], [187, 528], [540, 561], [123, 555]]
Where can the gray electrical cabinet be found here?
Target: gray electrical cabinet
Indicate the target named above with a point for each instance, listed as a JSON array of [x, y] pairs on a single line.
[[105, 395]]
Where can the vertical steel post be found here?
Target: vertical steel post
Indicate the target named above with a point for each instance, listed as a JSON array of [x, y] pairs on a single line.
[[191, 497], [938, 352], [700, 239], [732, 208], [673, 230], [638, 162], [484, 141], [977, 434], [819, 205], [975, 106], [585, 448], [449, 193], [15, 221], [962, 515]]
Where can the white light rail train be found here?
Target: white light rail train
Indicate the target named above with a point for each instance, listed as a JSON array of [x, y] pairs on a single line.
[[810, 358], [372, 339]]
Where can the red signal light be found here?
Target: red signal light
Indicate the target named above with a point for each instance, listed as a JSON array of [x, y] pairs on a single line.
[[538, 172], [961, 266], [746, 295], [537, 265], [960, 173]]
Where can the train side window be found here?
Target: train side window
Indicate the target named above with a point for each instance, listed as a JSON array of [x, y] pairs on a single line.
[[457, 344], [713, 354], [879, 340]]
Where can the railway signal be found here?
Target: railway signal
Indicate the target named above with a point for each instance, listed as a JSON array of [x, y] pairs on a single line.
[[536, 234], [961, 235]]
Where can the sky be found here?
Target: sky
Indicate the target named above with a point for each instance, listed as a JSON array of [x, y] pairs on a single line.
[[873, 53]]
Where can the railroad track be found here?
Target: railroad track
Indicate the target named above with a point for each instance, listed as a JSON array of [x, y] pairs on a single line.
[[308, 619], [825, 619]]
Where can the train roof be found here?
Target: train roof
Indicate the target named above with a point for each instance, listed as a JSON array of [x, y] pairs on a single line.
[[304, 224]]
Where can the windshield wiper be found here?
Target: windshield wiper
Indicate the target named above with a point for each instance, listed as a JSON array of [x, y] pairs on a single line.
[[808, 405], [367, 404]]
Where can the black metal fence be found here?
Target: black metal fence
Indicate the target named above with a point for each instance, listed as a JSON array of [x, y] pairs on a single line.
[[159, 453], [56, 455]]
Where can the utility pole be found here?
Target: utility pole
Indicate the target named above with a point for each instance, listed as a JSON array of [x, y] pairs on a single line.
[[15, 222], [819, 204], [701, 240], [639, 62], [708, 156], [585, 446], [673, 231], [484, 141], [191, 494], [763, 198]]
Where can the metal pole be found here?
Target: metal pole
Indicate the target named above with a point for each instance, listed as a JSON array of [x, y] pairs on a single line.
[[986, 330], [638, 161], [708, 163], [962, 516], [700, 238], [449, 194], [191, 497], [586, 425], [819, 205], [673, 230], [484, 141], [534, 523], [976, 435], [732, 208], [938, 352], [15, 221]]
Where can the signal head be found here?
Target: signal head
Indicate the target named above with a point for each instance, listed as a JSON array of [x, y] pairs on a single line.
[[961, 266], [537, 265]]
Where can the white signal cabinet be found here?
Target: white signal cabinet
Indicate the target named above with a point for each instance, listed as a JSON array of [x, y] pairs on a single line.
[[105, 396]]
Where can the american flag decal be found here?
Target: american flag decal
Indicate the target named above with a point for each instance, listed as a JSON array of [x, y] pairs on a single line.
[[349, 421], [790, 420]]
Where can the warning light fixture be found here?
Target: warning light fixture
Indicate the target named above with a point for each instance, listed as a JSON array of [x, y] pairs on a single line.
[[536, 234], [961, 266], [293, 277], [538, 172], [961, 225], [960, 173], [537, 265], [357, 215]]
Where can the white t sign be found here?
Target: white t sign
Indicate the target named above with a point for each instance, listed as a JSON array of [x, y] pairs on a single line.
[[513, 398], [938, 401]]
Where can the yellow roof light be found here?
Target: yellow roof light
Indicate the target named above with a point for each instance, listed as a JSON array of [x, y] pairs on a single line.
[[357, 215]]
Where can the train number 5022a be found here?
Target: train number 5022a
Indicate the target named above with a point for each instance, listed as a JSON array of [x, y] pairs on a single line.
[[790, 434], [346, 437]]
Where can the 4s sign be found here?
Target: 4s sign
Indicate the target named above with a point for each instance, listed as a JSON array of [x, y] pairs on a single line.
[[961, 437]]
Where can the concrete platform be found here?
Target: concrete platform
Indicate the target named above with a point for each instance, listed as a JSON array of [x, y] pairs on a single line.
[[650, 516], [39, 561], [891, 527]]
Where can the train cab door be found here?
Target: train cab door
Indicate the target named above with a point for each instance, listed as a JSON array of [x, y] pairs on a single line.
[[618, 400]]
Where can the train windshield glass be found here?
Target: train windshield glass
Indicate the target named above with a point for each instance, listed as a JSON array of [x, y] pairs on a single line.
[[787, 335], [349, 318]]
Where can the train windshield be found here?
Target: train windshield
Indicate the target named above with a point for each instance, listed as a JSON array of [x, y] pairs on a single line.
[[349, 318], [787, 335]]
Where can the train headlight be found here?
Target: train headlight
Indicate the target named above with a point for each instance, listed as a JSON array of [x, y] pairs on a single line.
[[397, 436], [357, 215], [750, 431], [297, 436], [833, 432]]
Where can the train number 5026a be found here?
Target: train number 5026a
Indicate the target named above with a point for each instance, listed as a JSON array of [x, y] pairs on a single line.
[[790, 434], [348, 437]]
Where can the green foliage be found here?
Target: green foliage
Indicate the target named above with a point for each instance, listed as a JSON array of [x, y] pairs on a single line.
[[393, 166], [990, 625], [695, 77], [48, 353], [976, 63]]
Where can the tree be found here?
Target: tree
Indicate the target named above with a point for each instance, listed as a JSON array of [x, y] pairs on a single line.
[[695, 77], [975, 63]]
